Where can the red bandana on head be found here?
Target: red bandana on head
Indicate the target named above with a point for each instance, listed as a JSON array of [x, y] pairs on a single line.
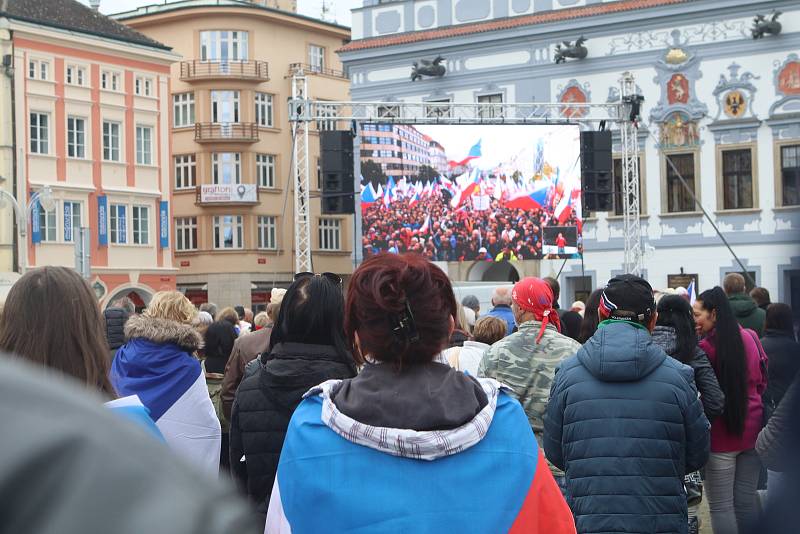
[[535, 296]]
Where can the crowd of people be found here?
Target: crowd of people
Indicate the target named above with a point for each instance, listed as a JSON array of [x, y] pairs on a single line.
[[431, 227], [391, 407]]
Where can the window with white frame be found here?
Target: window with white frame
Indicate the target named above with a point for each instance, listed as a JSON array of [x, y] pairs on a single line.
[[110, 81], [265, 170], [330, 234], [223, 45], [38, 69], [76, 137], [117, 223], [185, 233], [76, 75], [143, 86], [264, 109], [267, 232], [40, 132], [227, 231], [326, 110], [72, 219], [225, 106], [47, 224], [111, 141], [183, 109], [226, 167], [185, 171], [144, 145], [140, 217], [316, 58]]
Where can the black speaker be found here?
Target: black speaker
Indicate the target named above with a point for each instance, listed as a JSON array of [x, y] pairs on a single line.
[[338, 181], [596, 164]]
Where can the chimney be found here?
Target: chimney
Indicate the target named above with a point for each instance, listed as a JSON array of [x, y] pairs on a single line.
[[95, 4]]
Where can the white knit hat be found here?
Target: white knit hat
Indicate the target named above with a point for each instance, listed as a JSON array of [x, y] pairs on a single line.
[[276, 295]]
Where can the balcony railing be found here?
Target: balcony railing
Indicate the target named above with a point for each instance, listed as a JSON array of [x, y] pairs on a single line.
[[312, 69], [245, 69], [227, 194], [233, 132]]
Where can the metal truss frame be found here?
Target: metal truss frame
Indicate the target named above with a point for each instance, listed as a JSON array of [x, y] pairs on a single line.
[[304, 111]]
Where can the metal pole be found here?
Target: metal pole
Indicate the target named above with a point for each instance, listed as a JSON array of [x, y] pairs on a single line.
[[632, 222], [302, 223], [705, 213]]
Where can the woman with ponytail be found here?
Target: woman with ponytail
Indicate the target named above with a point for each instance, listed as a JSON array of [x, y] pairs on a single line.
[[739, 362], [410, 444]]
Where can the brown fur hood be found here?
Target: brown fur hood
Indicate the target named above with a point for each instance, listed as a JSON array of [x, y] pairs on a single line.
[[163, 331]]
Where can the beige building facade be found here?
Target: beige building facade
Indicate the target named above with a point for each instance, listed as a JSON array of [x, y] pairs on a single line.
[[232, 217]]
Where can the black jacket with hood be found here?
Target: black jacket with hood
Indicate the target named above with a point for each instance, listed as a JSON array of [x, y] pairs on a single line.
[[264, 404], [711, 395]]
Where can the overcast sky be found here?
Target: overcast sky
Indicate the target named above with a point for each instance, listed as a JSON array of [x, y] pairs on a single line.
[[339, 9]]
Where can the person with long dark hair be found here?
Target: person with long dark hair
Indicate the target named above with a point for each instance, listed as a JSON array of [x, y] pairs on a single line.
[[307, 347], [733, 467], [675, 333], [410, 444], [591, 318]]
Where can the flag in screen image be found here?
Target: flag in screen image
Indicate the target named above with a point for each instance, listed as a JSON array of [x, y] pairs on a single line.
[[368, 197], [474, 152], [530, 200]]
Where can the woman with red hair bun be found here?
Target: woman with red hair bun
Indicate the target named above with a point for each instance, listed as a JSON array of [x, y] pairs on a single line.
[[429, 447]]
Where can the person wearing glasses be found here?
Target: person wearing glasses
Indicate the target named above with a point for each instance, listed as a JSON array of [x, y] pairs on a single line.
[[410, 444], [307, 347]]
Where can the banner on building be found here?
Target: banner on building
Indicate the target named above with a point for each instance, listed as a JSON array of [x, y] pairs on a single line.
[[36, 231], [228, 193], [102, 220], [67, 221], [122, 225], [164, 223]]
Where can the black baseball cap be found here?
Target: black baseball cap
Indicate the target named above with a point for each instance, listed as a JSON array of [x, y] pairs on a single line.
[[628, 298]]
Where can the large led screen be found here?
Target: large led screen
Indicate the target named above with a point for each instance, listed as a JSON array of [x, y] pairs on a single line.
[[471, 192]]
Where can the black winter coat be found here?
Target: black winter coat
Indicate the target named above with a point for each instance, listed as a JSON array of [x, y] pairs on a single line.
[[115, 328], [711, 395], [783, 353], [265, 402], [625, 425]]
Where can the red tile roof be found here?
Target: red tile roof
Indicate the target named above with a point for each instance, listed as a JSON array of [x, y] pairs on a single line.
[[505, 23]]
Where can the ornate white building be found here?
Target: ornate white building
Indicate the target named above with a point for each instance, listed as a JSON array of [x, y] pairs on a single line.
[[724, 106]]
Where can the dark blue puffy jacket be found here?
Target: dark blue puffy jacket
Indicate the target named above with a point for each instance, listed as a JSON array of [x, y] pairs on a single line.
[[625, 424]]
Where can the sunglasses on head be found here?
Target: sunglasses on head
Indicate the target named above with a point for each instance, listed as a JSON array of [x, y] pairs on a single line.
[[333, 277]]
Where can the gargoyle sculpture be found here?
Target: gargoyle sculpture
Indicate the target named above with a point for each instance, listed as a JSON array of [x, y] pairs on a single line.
[[762, 26], [426, 67], [567, 49]]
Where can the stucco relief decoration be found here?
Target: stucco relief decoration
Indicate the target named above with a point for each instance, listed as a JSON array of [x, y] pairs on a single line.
[[787, 86], [678, 108], [679, 132], [567, 49], [701, 33], [735, 94], [428, 67], [574, 92]]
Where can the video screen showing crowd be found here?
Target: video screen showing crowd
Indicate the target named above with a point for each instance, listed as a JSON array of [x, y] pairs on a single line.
[[471, 192]]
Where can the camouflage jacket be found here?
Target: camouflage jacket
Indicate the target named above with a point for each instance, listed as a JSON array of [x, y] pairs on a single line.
[[527, 368]]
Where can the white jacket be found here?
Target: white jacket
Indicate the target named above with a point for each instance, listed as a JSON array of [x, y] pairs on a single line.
[[467, 358]]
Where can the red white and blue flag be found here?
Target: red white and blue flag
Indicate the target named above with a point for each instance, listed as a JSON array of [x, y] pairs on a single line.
[[470, 185], [474, 152], [500, 484], [368, 197], [531, 200]]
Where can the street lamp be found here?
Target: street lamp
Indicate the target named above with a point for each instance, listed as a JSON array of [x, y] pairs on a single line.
[[48, 203]]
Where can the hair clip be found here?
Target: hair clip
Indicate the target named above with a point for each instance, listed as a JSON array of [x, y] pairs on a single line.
[[405, 327]]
